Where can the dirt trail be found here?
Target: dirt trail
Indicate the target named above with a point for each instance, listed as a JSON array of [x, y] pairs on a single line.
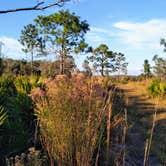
[[140, 116]]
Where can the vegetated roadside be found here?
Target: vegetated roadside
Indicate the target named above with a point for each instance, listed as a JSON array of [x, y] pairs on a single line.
[[141, 109]]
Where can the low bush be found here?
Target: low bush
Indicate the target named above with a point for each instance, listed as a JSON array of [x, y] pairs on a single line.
[[69, 113], [157, 88], [18, 125], [26, 84]]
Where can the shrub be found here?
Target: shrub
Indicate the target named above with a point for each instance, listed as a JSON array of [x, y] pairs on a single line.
[[18, 110], [26, 84], [69, 115], [7, 88], [23, 85], [157, 88]]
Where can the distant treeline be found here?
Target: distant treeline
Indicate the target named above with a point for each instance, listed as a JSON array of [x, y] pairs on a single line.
[[40, 67]]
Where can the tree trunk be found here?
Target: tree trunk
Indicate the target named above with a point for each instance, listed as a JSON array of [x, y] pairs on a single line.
[[102, 71], [62, 59], [31, 63], [61, 65]]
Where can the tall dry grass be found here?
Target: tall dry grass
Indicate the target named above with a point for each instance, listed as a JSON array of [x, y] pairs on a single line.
[[70, 115]]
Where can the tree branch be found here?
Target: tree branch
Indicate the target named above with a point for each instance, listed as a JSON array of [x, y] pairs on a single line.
[[38, 6]]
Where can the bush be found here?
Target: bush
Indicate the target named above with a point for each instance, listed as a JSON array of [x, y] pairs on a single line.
[[18, 110], [157, 88], [69, 115], [23, 85], [26, 84], [7, 88]]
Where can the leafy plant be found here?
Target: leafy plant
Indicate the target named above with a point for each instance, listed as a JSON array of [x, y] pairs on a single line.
[[157, 88], [26, 84], [3, 116], [23, 85], [17, 112]]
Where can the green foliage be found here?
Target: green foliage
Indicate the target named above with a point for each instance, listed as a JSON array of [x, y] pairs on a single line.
[[17, 113], [32, 42], [35, 82], [3, 116], [30, 39], [120, 63], [7, 89], [64, 32], [103, 59], [147, 68], [23, 85], [17, 127], [157, 88], [40, 68], [160, 63], [16, 67], [163, 42], [160, 67], [26, 84]]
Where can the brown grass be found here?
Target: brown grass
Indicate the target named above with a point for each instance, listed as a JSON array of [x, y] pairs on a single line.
[[140, 89], [141, 113]]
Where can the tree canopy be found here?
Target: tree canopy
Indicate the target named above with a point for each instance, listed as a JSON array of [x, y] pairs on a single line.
[[160, 67], [163, 43], [147, 71], [120, 64], [63, 33], [103, 59], [32, 42]]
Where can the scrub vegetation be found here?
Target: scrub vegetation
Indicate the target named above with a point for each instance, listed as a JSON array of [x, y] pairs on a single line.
[[53, 113]]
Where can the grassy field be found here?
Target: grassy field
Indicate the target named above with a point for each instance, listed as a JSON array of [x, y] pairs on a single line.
[[141, 108]]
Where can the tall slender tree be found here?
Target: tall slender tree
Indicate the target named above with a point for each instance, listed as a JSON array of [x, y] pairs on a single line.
[[160, 67], [121, 64], [64, 33], [147, 71], [33, 44], [103, 59], [163, 43]]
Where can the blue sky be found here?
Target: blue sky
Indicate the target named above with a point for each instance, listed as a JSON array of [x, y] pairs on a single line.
[[133, 27]]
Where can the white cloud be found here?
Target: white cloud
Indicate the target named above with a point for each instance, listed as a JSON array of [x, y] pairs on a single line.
[[136, 39], [94, 38], [99, 35], [140, 35], [101, 30], [11, 48], [131, 35]]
